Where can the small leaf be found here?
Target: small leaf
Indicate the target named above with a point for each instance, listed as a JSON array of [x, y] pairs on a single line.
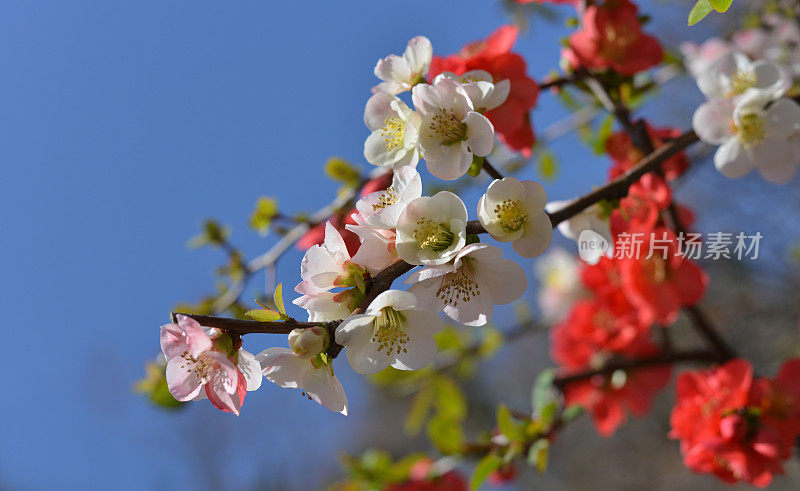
[[701, 9], [261, 218], [548, 165], [486, 466], [450, 401], [446, 434], [570, 413], [476, 166], [263, 315], [543, 390], [507, 425], [419, 410], [538, 454], [278, 298], [603, 132], [720, 5], [341, 170]]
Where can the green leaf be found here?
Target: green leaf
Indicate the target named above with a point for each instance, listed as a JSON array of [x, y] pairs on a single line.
[[278, 298], [603, 132], [476, 166], [548, 165], [548, 413], [419, 410], [543, 390], [446, 434], [341, 170], [538, 454], [263, 315], [721, 5], [450, 401], [261, 218], [570, 413], [507, 425], [486, 466], [701, 9], [491, 342]]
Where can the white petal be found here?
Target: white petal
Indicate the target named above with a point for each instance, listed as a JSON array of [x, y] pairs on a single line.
[[480, 134], [732, 160], [712, 121], [420, 347], [503, 279], [283, 368], [324, 388], [397, 299], [537, 237], [782, 119], [251, 369]]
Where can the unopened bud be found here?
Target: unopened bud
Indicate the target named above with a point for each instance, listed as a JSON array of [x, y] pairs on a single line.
[[309, 342]]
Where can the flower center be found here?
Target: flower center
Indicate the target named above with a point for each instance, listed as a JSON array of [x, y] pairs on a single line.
[[617, 42], [393, 131], [751, 130], [459, 285], [388, 197], [511, 214], [437, 236], [390, 331], [198, 366], [741, 81], [447, 127]]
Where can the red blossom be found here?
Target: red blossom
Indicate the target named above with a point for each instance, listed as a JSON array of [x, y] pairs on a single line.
[[625, 155], [735, 427], [596, 330], [511, 120], [640, 210], [612, 38], [659, 286], [608, 398]]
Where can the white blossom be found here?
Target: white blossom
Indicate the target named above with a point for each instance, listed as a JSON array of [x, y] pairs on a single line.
[[480, 87], [733, 74], [452, 131], [513, 210], [431, 230], [560, 283], [382, 209], [392, 331], [401, 73], [395, 132], [468, 288], [753, 133]]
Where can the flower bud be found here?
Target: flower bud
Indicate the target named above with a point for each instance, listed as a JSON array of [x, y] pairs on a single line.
[[309, 342]]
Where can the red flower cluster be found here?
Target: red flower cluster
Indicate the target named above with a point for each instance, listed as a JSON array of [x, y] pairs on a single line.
[[607, 328], [612, 37], [511, 120], [316, 234], [735, 426], [625, 155]]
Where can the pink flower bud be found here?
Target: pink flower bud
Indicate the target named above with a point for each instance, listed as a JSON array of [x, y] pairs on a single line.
[[309, 342]]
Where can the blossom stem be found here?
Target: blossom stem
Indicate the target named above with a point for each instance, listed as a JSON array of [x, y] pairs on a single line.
[[660, 359], [489, 168], [703, 325], [618, 187]]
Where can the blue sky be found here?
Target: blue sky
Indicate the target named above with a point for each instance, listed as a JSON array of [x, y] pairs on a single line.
[[123, 125]]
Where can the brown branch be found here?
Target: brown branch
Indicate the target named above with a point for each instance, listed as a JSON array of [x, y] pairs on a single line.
[[489, 168], [704, 326], [612, 366], [618, 188], [238, 326]]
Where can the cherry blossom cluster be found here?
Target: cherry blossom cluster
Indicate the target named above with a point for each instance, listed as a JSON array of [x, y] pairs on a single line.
[[450, 128], [747, 112], [610, 311]]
